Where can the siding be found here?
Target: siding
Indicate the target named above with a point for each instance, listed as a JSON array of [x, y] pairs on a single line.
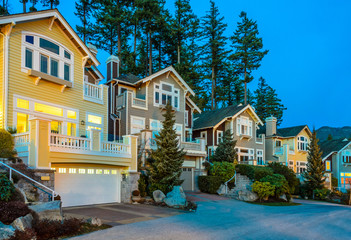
[[21, 84], [2, 81]]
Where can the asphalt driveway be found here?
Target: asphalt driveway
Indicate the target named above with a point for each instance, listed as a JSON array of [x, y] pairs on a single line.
[[231, 219]]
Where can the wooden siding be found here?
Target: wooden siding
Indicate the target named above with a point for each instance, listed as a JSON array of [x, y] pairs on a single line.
[[2, 39]]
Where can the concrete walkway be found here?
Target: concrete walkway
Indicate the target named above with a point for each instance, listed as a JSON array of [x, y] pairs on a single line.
[[231, 219]]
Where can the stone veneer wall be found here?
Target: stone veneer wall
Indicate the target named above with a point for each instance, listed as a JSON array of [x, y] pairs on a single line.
[[242, 182], [50, 183], [128, 185]]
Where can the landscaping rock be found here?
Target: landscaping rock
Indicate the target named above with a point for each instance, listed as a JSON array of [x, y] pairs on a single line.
[[137, 199], [94, 221], [245, 195], [22, 223], [158, 196], [48, 210], [6, 231], [28, 190], [221, 190], [283, 197], [176, 198], [148, 199]]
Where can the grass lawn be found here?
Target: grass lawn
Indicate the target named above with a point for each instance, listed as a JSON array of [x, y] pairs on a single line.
[[276, 204]]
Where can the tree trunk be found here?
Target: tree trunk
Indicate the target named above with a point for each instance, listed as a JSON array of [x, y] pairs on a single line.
[[135, 39], [178, 50], [119, 39], [159, 56], [147, 54], [213, 88], [24, 6], [52, 4], [245, 87], [84, 25], [150, 52]]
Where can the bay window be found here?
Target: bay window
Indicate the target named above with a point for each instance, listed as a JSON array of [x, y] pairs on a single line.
[[244, 126], [166, 93]]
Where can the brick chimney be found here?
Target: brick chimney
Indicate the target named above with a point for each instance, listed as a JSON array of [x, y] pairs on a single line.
[[271, 126], [112, 67]]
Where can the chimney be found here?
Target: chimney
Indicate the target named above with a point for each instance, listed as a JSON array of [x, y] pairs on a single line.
[[112, 67], [271, 126], [92, 49]]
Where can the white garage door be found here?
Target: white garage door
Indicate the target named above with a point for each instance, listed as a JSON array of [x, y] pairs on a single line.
[[84, 186], [188, 177]]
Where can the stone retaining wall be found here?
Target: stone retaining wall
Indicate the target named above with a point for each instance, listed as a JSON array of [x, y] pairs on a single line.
[[128, 185]]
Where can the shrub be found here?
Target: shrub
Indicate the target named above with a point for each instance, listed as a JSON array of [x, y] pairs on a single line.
[[12, 210], [321, 194], [191, 206], [263, 189], [49, 229], [225, 170], [209, 184], [27, 234], [334, 182], [142, 185], [245, 169], [289, 174], [6, 144], [6, 188], [262, 172], [136, 193], [280, 183]]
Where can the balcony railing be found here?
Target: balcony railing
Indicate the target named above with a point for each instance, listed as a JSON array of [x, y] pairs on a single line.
[[69, 142], [114, 147], [93, 92], [191, 146], [21, 138], [137, 102]]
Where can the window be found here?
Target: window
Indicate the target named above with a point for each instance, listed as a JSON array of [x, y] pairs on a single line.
[[67, 72], [137, 124], [245, 154], [155, 126], [114, 172], [71, 114], [327, 165], [21, 103], [71, 129], [62, 170], [30, 39], [44, 64], [260, 157], [98, 171], [50, 46], [186, 118], [94, 119], [22, 125], [67, 55], [106, 171], [29, 58], [54, 67], [56, 127], [244, 126], [204, 135], [81, 171], [38, 107], [302, 143], [72, 170], [90, 171], [300, 167], [219, 136], [278, 143], [166, 93]]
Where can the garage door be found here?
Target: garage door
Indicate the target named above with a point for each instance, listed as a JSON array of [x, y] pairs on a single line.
[[84, 186], [188, 177]]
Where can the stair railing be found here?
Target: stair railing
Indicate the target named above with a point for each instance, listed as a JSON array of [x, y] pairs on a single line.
[[226, 183], [53, 193]]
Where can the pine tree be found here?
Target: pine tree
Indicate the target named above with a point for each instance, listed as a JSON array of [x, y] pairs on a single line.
[[50, 3], [167, 159], [33, 8], [83, 11], [4, 8], [247, 47], [214, 52], [330, 137], [314, 174], [225, 151]]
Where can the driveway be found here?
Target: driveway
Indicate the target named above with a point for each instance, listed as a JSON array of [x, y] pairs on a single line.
[[231, 219]]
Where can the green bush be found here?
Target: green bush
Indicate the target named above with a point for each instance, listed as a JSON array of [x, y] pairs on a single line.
[[225, 170], [6, 144], [263, 189], [247, 170], [142, 185], [209, 184], [6, 188], [334, 182], [289, 174], [280, 183], [261, 172], [321, 194]]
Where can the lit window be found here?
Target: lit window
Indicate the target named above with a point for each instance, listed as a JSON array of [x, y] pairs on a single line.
[[327, 166], [50, 46], [98, 171], [94, 119], [114, 172], [48, 109], [90, 171], [22, 125], [56, 127], [302, 143], [71, 129], [53, 168], [341, 174], [21, 103], [72, 170], [81, 171], [106, 171], [62, 170], [347, 174], [92, 127], [30, 39], [29, 58], [71, 114]]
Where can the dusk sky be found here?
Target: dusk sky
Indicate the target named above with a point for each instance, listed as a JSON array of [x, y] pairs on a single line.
[[309, 53]]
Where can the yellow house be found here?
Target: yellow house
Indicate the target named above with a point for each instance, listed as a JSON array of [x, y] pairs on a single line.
[[50, 94], [287, 145]]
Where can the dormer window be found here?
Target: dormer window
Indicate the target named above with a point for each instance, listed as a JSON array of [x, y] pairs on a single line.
[[164, 93], [244, 126], [302, 143]]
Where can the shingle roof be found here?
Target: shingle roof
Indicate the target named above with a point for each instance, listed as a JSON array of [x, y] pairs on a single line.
[[333, 146], [284, 132], [129, 77], [212, 118]]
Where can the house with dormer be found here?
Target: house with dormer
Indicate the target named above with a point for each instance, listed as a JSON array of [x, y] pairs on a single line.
[[136, 106]]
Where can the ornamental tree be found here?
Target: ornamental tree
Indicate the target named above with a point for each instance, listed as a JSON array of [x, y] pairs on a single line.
[[263, 189], [225, 151]]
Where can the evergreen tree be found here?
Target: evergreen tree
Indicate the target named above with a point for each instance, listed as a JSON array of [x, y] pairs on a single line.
[[314, 174], [250, 97], [4, 8], [225, 151], [50, 3], [33, 8], [24, 2], [167, 159], [214, 52], [247, 47], [83, 11], [330, 137]]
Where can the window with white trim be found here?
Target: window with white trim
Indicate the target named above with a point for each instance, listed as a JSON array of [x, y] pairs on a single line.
[[259, 153], [219, 136], [94, 121], [45, 55], [301, 167], [155, 126], [204, 135], [245, 154], [186, 118], [243, 126], [137, 124], [346, 156], [302, 143], [165, 92], [328, 165]]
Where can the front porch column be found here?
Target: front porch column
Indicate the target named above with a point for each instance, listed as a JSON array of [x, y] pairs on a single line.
[[95, 139]]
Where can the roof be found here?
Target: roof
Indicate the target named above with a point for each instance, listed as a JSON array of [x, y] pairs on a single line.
[[284, 132], [212, 118], [53, 14], [328, 147], [129, 78]]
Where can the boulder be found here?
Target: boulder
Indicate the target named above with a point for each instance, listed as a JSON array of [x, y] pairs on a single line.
[[176, 198], [158, 196], [48, 210], [245, 195], [94, 221], [28, 190], [6, 231], [221, 190], [22, 223]]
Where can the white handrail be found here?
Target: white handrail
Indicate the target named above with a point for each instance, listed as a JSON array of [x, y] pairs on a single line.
[[64, 141], [93, 91], [226, 183], [53, 193]]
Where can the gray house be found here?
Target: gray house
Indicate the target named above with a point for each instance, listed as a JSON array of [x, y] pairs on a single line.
[[243, 122]]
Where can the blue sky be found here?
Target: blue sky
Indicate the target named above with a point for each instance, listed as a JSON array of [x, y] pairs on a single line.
[[309, 53]]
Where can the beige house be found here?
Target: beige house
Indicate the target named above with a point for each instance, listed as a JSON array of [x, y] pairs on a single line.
[[136, 107]]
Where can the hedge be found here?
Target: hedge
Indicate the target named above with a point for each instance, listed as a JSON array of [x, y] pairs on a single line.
[[209, 184], [255, 173]]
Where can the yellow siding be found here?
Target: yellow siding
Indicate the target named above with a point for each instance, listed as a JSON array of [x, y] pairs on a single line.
[[21, 84], [1, 81]]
